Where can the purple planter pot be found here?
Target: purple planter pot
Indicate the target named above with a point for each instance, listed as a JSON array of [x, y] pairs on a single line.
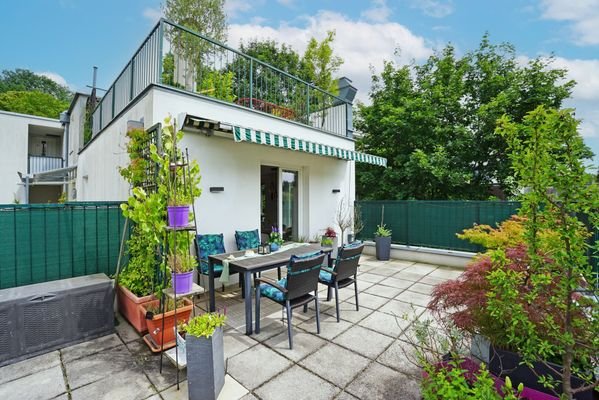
[[178, 216], [182, 283]]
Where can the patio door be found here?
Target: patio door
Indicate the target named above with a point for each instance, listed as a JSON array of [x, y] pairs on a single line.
[[279, 197]]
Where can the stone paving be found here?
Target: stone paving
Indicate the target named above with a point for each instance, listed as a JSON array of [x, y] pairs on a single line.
[[360, 357]]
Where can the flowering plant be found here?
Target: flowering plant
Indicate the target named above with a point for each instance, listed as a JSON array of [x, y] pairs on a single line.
[[330, 232], [275, 236]]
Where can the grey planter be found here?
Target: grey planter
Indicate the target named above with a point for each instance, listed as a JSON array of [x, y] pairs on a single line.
[[383, 247], [205, 366]]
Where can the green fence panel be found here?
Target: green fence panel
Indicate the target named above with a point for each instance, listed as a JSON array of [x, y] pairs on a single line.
[[432, 223], [44, 242]]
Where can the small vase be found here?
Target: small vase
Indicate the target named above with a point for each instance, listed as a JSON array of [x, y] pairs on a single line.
[[182, 282], [178, 216], [274, 247]]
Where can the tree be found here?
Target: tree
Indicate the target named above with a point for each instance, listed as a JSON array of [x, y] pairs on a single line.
[[435, 122], [34, 103], [549, 157], [21, 80], [319, 63]]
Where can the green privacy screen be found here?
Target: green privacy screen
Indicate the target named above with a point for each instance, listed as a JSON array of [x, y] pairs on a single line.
[[44, 242], [432, 223]]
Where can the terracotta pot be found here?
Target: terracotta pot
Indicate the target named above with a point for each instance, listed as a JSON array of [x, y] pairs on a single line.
[[129, 307], [155, 324]]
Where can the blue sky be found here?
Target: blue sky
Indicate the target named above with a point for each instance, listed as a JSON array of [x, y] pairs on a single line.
[[65, 38]]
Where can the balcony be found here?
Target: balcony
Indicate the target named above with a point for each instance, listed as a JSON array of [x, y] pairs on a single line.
[[36, 164], [175, 56]]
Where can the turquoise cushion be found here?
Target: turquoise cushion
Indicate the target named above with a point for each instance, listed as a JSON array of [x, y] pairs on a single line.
[[272, 292], [218, 268], [298, 258], [247, 239], [325, 276]]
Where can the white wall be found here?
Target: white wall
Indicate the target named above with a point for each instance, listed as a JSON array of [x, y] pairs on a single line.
[[223, 162], [14, 130], [98, 176]]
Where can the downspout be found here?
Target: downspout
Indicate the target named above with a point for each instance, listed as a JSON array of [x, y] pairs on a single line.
[[65, 119]]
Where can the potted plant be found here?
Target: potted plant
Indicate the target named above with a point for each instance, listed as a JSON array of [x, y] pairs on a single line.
[[178, 210], [182, 265], [382, 240], [205, 355], [154, 318], [275, 239], [329, 238]]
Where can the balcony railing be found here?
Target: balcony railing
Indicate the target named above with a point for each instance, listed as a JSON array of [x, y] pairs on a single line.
[[175, 56], [37, 164]]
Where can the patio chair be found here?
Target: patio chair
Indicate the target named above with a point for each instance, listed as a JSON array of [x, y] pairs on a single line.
[[207, 245], [343, 272], [247, 240], [295, 290]]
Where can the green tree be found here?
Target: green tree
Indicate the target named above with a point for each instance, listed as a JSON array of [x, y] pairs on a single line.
[[319, 63], [206, 17], [549, 158], [23, 80], [435, 122], [34, 103]]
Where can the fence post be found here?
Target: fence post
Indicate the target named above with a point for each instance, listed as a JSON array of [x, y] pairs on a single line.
[[251, 83], [407, 222], [160, 44]]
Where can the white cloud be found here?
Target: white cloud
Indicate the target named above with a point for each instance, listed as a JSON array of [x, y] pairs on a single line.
[[585, 73], [55, 77], [379, 12], [582, 14], [152, 14], [233, 8], [361, 44], [434, 8]]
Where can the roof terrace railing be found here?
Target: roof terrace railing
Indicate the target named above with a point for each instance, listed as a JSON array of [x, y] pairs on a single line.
[[175, 56]]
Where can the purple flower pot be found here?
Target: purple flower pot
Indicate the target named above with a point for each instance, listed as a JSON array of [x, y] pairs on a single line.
[[178, 216], [182, 282]]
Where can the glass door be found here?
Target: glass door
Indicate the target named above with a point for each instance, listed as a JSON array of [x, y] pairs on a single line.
[[269, 198], [289, 204]]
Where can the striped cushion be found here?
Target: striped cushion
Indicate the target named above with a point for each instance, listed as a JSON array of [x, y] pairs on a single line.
[[325, 277]]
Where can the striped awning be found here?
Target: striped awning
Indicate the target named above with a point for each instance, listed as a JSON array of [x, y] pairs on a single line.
[[285, 142]]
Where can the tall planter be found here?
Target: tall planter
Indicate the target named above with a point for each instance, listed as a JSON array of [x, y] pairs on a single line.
[[383, 247], [205, 365], [128, 304], [155, 323]]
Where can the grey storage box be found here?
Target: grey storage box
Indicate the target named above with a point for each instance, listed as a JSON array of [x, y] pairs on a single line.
[[38, 318], [205, 366]]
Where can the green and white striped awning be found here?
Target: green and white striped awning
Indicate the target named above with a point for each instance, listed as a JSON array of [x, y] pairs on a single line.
[[285, 142]]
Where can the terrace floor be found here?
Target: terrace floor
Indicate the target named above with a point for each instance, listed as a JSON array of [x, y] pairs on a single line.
[[361, 357]]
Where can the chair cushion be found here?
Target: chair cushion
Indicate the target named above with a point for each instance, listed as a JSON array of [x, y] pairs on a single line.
[[247, 239], [298, 258], [272, 292], [210, 244], [325, 277], [218, 268]]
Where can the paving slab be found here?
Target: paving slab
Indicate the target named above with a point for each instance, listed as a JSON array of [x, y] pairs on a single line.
[[396, 283], [249, 396], [232, 390], [401, 308], [409, 275], [269, 327], [422, 268], [446, 273], [418, 299], [41, 385], [235, 342], [298, 384], [381, 382], [384, 291], [368, 300], [386, 324], [370, 277], [345, 396], [150, 364], [387, 270], [421, 288], [401, 356], [329, 327], [95, 367], [303, 344], [125, 331], [364, 341], [90, 347], [28, 367], [348, 312], [335, 364], [126, 385], [255, 366], [433, 280]]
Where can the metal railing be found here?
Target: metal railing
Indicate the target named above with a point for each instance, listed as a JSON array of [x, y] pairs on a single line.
[[175, 56], [37, 164], [44, 242]]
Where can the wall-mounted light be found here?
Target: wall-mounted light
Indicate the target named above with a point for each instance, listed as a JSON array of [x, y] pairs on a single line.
[[336, 190], [216, 189]]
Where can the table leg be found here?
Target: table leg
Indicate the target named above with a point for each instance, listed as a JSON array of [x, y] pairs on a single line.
[[211, 286], [247, 285]]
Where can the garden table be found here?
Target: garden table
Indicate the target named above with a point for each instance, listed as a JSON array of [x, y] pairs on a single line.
[[250, 266]]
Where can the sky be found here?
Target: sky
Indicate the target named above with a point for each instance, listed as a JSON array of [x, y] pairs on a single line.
[[63, 39]]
